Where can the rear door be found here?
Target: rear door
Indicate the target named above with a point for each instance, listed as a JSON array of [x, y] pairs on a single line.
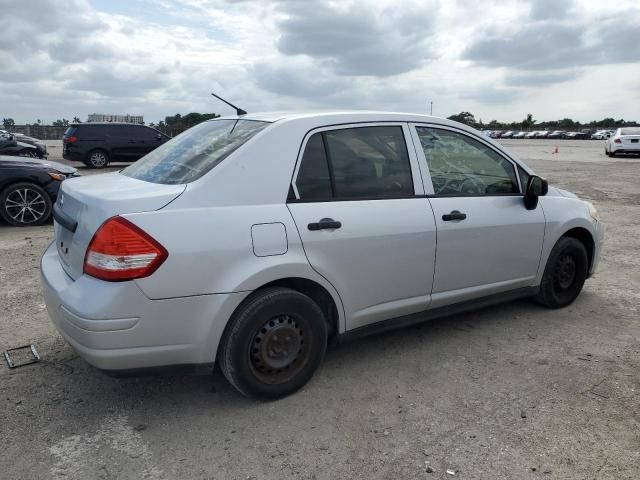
[[487, 241], [358, 203], [123, 142]]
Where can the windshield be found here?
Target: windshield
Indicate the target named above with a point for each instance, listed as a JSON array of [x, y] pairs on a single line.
[[194, 152]]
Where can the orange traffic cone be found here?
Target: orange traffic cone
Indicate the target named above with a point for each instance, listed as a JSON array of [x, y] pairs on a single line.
[[556, 150]]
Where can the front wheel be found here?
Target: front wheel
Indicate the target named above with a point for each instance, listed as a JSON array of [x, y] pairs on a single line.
[[273, 344], [25, 204], [564, 274]]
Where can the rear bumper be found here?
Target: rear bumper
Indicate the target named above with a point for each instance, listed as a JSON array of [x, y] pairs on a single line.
[[69, 154], [114, 326]]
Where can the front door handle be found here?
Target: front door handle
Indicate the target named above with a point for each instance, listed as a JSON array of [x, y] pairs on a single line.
[[325, 223], [454, 215]]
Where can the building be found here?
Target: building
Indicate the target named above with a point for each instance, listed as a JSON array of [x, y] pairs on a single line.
[[100, 117]]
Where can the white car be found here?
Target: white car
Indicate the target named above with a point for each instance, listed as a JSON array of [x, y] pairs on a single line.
[[519, 135], [253, 240], [602, 134], [624, 140], [533, 134]]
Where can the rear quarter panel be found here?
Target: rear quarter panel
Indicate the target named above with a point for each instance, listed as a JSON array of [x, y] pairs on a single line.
[[211, 251]]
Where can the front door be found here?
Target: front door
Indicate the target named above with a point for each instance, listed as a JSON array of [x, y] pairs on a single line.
[[362, 225], [487, 242]]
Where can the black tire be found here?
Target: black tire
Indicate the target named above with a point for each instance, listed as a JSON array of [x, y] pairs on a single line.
[[25, 204], [607, 153], [564, 274], [97, 158], [257, 362]]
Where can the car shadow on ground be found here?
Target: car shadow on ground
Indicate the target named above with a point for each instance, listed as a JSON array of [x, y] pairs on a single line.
[[69, 380]]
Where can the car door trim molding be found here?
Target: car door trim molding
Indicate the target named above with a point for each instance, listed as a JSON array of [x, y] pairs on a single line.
[[361, 199], [435, 313]]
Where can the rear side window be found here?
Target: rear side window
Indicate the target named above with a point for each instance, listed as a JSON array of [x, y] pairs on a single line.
[[355, 163], [121, 131], [314, 181], [90, 132], [194, 152]]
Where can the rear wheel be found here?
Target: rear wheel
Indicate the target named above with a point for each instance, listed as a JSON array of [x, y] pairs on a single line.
[[564, 275], [25, 204], [273, 344], [97, 159]]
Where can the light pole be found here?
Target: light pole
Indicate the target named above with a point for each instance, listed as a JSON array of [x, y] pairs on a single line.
[[431, 108]]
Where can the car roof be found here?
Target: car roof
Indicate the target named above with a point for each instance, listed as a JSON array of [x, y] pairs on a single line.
[[108, 123], [347, 116]]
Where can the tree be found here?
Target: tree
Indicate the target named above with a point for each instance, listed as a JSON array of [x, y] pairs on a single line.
[[76, 120], [178, 123], [8, 123], [528, 122], [464, 117], [61, 123]]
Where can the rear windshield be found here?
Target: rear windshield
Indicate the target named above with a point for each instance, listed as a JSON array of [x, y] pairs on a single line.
[[70, 131], [630, 131], [194, 152]]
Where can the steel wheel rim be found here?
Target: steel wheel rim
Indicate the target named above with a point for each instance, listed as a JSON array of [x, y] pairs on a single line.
[[98, 159], [565, 273], [280, 349], [25, 205]]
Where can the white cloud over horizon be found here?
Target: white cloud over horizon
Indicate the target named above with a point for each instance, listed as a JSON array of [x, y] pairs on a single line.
[[498, 59]]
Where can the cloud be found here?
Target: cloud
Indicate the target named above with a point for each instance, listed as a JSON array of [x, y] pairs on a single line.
[[520, 79], [562, 41], [357, 38], [161, 57]]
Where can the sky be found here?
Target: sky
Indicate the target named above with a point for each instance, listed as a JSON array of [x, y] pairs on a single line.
[[496, 59]]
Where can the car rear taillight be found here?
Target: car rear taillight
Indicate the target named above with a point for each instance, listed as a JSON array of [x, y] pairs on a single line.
[[617, 140], [120, 251], [70, 140]]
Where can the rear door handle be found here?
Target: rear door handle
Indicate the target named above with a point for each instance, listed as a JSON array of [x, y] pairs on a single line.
[[324, 224], [454, 215]]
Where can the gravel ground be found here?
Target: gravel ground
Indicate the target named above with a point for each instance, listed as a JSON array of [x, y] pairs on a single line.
[[509, 392]]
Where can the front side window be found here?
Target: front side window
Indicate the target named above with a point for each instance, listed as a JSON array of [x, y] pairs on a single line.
[[355, 163], [194, 152], [461, 165]]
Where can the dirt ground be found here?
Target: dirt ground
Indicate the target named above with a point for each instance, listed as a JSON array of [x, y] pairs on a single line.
[[509, 392]]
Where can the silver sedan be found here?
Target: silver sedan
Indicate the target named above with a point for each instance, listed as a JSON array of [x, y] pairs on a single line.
[[251, 241]]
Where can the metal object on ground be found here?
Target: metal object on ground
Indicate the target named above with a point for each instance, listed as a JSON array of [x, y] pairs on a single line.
[[21, 361]]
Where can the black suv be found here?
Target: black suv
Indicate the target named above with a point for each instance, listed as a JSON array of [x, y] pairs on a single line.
[[97, 144]]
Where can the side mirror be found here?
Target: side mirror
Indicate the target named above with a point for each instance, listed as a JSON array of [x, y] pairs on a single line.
[[536, 187], [158, 137]]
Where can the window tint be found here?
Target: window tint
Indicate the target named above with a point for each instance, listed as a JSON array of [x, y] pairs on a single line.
[[369, 162], [121, 131], [460, 165], [90, 132], [141, 133], [194, 152], [314, 181]]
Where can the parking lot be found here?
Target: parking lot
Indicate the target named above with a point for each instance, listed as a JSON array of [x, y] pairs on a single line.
[[509, 392]]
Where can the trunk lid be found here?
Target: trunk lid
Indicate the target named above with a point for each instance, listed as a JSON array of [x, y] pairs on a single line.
[[91, 200]]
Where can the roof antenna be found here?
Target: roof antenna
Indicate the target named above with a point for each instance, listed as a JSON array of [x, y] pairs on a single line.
[[239, 111]]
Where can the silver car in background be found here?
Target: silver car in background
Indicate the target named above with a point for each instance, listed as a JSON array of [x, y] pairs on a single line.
[[252, 241]]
